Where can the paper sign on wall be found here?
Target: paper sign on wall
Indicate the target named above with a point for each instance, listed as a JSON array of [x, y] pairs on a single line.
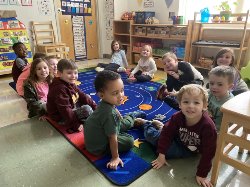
[[148, 3]]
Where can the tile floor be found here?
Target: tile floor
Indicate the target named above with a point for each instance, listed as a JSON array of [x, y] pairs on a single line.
[[33, 153]]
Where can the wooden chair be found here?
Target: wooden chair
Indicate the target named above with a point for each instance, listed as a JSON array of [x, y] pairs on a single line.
[[45, 40], [236, 111]]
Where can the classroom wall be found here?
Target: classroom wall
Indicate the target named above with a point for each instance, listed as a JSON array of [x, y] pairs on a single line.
[[121, 6], [26, 14]]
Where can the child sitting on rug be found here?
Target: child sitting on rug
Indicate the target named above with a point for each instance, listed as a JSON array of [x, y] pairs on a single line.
[[20, 62], [178, 75], [25, 74], [52, 60], [220, 83], [188, 132], [66, 102], [146, 67], [36, 87], [104, 130], [118, 60], [226, 57]]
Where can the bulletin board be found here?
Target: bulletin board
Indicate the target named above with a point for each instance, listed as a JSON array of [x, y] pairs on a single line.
[[11, 31], [79, 36], [76, 7]]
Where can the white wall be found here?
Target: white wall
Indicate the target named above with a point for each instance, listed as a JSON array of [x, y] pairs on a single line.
[[26, 14]]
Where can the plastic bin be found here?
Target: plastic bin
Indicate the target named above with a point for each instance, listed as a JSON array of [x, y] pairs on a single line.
[[140, 17]]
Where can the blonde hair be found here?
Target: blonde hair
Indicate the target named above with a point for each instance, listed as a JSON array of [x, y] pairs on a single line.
[[150, 49], [193, 89], [170, 55]]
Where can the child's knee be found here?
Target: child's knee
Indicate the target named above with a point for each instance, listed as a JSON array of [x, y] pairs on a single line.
[[86, 110]]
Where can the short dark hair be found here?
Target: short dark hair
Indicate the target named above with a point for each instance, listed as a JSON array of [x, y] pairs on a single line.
[[39, 55], [103, 78], [224, 71], [16, 45], [64, 64]]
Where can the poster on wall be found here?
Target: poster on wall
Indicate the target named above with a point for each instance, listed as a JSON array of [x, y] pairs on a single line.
[[76, 7], [79, 36], [11, 31], [44, 7], [14, 2], [26, 2], [148, 3], [3, 2], [109, 17]]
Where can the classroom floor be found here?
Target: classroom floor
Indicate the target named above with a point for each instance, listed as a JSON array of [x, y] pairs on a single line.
[[33, 153]]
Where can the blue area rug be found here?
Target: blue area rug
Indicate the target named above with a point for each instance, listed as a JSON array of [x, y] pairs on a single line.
[[138, 160]]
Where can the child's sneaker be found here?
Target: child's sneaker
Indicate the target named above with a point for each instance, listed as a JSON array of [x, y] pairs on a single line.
[[157, 124], [98, 69], [121, 69], [138, 114], [131, 79], [161, 92], [139, 122]]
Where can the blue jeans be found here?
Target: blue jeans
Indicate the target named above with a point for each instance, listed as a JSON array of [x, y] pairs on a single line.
[[176, 149]]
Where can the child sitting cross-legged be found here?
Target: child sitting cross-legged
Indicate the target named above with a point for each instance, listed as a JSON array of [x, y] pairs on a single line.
[[104, 130], [146, 67], [220, 83], [66, 103], [188, 132]]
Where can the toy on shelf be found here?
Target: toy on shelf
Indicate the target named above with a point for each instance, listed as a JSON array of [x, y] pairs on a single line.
[[206, 62], [152, 20], [128, 16]]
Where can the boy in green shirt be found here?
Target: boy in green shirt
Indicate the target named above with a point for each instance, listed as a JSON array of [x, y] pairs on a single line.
[[220, 83], [104, 128]]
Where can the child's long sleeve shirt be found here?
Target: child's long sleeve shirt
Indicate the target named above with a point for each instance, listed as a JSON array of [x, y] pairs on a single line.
[[200, 138]]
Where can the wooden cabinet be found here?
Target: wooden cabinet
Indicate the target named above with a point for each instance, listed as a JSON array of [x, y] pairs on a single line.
[[209, 38], [163, 38], [121, 32]]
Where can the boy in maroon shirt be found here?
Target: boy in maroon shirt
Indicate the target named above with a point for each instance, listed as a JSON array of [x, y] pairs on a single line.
[[66, 102], [188, 132]]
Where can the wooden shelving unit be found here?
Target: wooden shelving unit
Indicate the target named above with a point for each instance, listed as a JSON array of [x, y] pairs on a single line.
[[126, 32], [160, 36], [121, 32], [228, 33]]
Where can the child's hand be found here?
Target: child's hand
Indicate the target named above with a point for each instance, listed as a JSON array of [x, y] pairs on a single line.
[[114, 163], [159, 162], [173, 74], [131, 76], [203, 182], [173, 93]]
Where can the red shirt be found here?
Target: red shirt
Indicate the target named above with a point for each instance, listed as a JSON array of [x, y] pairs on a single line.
[[200, 138], [62, 98]]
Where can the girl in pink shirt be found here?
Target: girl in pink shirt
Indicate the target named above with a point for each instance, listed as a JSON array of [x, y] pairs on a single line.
[[36, 87]]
